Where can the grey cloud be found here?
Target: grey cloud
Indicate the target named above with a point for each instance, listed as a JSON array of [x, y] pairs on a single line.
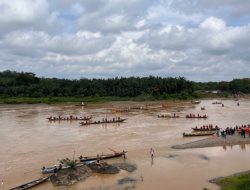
[[33, 43], [230, 10], [112, 16]]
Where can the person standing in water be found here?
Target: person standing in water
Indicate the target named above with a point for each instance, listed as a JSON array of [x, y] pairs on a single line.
[[152, 152]]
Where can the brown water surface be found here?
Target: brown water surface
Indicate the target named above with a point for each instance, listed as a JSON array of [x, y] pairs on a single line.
[[28, 141]]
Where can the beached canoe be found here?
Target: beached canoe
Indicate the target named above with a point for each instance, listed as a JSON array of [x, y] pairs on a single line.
[[30, 184], [103, 156], [46, 170], [198, 134], [85, 160]]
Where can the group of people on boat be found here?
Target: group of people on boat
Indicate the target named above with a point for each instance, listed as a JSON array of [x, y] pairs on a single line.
[[174, 115], [71, 117], [196, 116], [217, 102], [104, 120], [208, 127]]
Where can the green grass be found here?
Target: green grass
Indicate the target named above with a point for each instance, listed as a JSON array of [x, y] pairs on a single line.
[[239, 182]]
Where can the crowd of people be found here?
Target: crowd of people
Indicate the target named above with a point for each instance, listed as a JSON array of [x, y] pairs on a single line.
[[243, 130]]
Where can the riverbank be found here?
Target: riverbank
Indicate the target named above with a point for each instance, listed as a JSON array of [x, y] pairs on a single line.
[[237, 181], [215, 141], [103, 99]]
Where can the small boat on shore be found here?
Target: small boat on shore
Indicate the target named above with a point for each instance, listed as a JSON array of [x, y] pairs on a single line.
[[31, 184], [202, 108], [208, 133], [103, 156], [70, 118], [46, 170], [83, 161], [104, 121]]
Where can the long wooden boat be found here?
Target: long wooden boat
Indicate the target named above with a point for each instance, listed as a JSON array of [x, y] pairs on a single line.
[[205, 129], [46, 170], [102, 122], [199, 117], [30, 184], [103, 157], [196, 102], [168, 116], [216, 102], [85, 160], [198, 134], [70, 118]]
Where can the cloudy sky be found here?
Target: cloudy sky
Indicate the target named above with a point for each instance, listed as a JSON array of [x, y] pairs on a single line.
[[202, 40]]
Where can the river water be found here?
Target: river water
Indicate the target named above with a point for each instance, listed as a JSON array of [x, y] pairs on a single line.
[[28, 141]]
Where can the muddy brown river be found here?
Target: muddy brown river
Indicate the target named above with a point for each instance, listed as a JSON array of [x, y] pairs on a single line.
[[29, 141]]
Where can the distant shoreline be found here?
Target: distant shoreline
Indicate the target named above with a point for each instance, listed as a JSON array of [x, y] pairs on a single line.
[[98, 99]]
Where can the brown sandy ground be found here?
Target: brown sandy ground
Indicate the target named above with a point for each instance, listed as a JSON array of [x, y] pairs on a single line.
[[215, 141]]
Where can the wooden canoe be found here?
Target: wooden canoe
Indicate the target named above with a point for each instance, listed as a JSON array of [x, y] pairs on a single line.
[[205, 129], [104, 156], [198, 117], [168, 116], [30, 184], [70, 119], [198, 134], [85, 160], [102, 122], [47, 170]]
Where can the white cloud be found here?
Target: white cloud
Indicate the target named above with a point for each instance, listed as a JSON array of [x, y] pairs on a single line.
[[213, 23], [99, 38]]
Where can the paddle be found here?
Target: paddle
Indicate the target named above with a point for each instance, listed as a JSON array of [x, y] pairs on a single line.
[[112, 150]]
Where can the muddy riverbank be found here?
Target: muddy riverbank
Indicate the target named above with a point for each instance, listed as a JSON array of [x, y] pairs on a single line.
[[215, 141]]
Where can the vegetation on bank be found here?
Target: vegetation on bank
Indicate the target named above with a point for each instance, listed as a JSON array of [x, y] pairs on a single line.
[[234, 182], [27, 88]]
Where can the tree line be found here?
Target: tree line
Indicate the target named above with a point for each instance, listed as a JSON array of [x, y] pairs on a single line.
[[23, 84]]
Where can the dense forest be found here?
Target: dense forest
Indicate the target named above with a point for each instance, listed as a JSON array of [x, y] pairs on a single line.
[[14, 84]]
